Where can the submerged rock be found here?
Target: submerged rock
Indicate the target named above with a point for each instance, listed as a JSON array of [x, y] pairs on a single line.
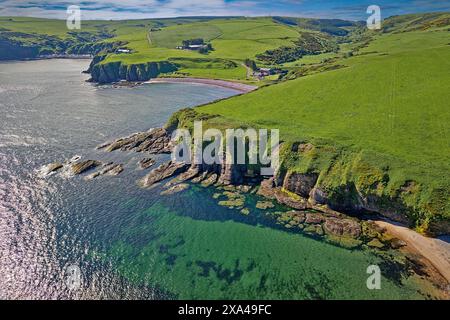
[[175, 189], [346, 242], [164, 171], [291, 219], [235, 200], [263, 205], [314, 229]]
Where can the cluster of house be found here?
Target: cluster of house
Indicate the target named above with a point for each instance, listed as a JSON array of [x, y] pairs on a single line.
[[123, 50], [261, 73], [264, 72], [194, 47]]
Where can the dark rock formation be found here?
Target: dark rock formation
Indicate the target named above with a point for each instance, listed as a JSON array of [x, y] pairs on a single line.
[[269, 190], [14, 50], [300, 184], [342, 227], [166, 170], [190, 174], [115, 71], [210, 180], [314, 218], [232, 174], [146, 163], [155, 141], [293, 202]]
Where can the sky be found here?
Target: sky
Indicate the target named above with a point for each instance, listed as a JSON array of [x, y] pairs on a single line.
[[139, 9]]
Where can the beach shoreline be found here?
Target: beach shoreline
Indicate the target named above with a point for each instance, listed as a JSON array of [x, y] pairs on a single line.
[[435, 251], [244, 88]]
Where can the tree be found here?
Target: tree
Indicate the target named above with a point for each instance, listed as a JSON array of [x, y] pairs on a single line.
[[251, 64]]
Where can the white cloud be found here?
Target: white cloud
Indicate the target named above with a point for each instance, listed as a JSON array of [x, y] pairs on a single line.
[[130, 9]]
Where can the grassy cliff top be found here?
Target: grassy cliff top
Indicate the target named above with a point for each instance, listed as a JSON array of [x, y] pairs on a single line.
[[383, 113]]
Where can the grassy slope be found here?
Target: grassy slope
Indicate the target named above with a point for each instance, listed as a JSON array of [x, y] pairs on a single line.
[[233, 39], [389, 107]]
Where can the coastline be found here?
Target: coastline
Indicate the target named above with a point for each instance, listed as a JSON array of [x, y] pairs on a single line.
[[434, 250], [51, 57], [244, 88]]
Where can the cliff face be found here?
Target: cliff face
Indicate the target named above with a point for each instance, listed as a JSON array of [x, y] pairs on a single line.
[[42, 46], [347, 182], [11, 50], [116, 71], [93, 48]]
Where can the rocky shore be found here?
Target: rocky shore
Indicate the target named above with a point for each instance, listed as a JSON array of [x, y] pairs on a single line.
[[310, 213], [154, 141]]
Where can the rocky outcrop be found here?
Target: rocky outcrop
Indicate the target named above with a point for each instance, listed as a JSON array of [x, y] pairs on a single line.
[[146, 163], [93, 48], [166, 170], [115, 71], [314, 218], [269, 190], [232, 174], [210, 180], [109, 169], [83, 166], [154, 141], [20, 46], [342, 227], [300, 184], [14, 50]]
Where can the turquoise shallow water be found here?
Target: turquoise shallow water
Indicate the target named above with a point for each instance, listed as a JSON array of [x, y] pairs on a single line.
[[133, 243]]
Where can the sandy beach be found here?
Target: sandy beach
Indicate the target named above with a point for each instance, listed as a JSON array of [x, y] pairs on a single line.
[[221, 83], [435, 250]]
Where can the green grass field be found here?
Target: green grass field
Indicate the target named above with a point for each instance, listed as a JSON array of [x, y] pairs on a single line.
[[232, 39]]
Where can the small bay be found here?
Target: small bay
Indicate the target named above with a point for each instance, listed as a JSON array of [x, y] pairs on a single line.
[[134, 243]]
